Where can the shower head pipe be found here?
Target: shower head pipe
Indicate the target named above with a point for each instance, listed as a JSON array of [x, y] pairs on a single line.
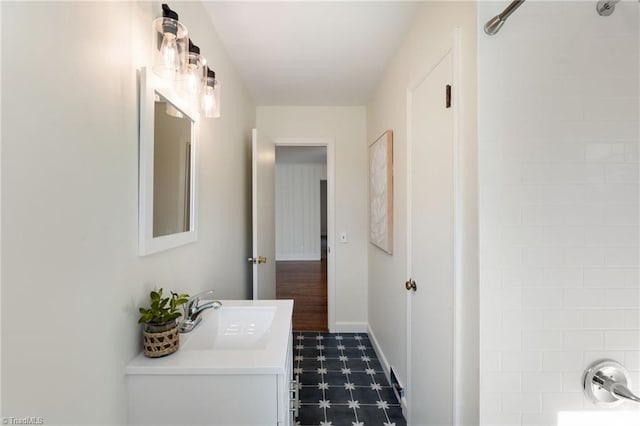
[[495, 23]]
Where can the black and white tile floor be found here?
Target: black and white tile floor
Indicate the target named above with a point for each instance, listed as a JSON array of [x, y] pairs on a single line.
[[342, 382]]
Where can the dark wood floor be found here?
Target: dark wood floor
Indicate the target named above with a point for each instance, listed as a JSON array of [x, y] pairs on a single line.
[[305, 283]]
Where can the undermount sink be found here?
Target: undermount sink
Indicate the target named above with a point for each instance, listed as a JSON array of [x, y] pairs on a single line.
[[232, 328]]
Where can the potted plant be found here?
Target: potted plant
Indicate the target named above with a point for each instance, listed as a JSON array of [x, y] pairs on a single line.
[[160, 335]]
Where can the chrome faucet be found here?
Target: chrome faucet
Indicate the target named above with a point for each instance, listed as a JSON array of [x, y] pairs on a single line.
[[193, 309]]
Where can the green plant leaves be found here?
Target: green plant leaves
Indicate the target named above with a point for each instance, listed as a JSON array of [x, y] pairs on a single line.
[[162, 310]]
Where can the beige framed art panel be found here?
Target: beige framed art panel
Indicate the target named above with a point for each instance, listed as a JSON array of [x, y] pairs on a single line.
[[381, 192]]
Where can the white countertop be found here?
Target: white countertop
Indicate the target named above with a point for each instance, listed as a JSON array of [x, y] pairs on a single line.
[[267, 360]]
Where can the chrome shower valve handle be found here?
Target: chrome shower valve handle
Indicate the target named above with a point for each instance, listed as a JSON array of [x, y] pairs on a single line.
[[606, 383]]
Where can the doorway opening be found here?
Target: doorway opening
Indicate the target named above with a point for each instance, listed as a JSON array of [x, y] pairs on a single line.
[[301, 212]]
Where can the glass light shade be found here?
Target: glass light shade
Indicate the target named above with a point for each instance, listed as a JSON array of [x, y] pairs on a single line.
[[211, 97], [194, 75], [217, 98], [170, 48]]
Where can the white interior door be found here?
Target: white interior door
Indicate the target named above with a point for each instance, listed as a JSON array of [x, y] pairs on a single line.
[[263, 217], [431, 249]]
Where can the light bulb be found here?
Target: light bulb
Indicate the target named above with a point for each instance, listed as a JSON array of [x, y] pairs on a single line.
[[193, 80], [170, 56], [170, 45], [208, 101], [211, 95]]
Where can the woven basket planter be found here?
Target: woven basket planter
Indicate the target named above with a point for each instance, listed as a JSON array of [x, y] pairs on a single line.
[[160, 340]]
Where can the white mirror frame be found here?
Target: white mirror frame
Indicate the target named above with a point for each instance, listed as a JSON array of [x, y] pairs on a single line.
[[150, 84]]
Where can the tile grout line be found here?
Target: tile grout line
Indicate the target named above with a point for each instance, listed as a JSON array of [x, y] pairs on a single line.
[[320, 348], [350, 388], [373, 382]]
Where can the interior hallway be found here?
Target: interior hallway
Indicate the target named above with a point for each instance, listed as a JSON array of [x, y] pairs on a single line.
[[306, 283]]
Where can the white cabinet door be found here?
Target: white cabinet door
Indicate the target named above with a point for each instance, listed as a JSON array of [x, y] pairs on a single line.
[[203, 400]]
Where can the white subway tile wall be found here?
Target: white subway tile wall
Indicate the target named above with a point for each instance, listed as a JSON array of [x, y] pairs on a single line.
[[559, 184]]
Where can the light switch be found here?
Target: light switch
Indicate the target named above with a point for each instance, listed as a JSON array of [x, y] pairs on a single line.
[[343, 237]]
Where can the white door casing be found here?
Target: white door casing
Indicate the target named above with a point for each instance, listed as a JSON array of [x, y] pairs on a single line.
[[433, 256], [263, 216]]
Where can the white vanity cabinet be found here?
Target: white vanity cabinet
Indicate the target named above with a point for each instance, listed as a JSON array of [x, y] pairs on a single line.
[[191, 388]]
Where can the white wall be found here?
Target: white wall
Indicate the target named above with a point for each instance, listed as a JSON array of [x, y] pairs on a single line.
[[558, 127], [432, 28], [298, 210], [347, 126], [71, 277]]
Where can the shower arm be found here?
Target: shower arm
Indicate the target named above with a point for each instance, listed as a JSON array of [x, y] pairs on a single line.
[[510, 9], [495, 23]]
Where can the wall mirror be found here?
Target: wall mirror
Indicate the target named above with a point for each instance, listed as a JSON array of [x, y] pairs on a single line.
[[167, 203]]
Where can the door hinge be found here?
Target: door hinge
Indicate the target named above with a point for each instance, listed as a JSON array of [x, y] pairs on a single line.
[[448, 96]]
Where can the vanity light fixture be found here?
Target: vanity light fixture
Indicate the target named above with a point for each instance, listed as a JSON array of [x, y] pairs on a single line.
[[170, 52], [211, 95], [178, 60]]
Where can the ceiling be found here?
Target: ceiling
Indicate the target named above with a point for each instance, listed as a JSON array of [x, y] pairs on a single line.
[[311, 52]]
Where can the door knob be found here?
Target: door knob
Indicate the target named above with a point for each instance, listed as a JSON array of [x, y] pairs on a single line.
[[411, 285], [258, 260]]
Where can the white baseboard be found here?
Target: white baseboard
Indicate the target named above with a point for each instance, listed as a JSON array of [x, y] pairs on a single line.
[[385, 365], [298, 257], [349, 327], [376, 347]]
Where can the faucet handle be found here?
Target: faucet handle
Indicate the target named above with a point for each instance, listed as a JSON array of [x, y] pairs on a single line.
[[196, 297], [192, 303], [203, 293]]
